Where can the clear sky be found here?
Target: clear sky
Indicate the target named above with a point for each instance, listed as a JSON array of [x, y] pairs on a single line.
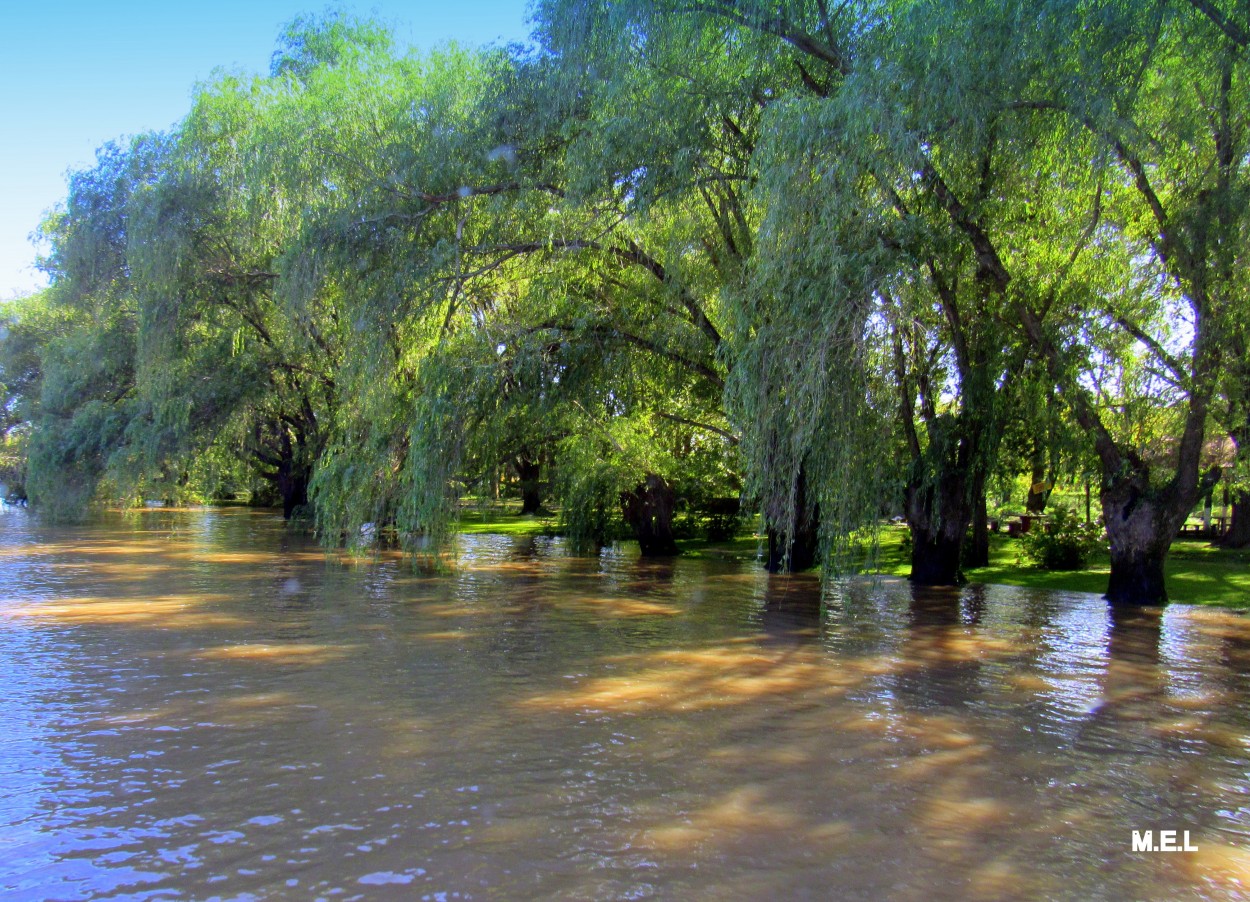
[[77, 73]]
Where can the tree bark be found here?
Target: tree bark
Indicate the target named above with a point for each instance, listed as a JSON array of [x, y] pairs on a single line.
[[800, 551], [977, 547], [939, 510], [1140, 527], [1039, 486], [648, 509], [1137, 577], [528, 471], [292, 478], [935, 558], [1238, 535], [803, 550]]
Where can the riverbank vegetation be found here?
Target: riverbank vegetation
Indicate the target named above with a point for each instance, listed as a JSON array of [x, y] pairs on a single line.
[[1198, 571], [674, 265]]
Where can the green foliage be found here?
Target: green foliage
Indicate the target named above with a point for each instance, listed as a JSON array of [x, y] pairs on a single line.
[[309, 43], [1064, 541], [843, 262]]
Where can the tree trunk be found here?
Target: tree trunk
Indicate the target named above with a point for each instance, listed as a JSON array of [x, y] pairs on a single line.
[[292, 479], [1140, 528], [935, 558], [803, 551], [1039, 485], [800, 551], [1137, 577], [528, 471], [939, 515], [1238, 535], [648, 510], [977, 548]]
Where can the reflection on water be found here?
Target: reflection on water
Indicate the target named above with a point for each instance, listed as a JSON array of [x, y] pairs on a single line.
[[197, 704]]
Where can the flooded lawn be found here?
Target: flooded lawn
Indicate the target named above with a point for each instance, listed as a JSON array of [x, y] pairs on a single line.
[[198, 705]]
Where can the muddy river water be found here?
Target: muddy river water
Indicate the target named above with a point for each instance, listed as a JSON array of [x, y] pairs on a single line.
[[200, 705]]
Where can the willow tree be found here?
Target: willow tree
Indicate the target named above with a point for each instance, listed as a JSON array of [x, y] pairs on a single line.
[[893, 175], [1166, 101], [182, 347], [501, 288], [675, 116], [226, 352], [86, 365]]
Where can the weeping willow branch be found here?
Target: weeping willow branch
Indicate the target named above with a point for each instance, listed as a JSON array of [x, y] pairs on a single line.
[[708, 427], [1236, 33]]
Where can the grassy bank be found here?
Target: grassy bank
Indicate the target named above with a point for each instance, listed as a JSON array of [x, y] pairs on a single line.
[[1197, 572]]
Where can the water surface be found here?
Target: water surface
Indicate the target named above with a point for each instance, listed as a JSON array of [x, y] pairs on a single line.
[[200, 705]]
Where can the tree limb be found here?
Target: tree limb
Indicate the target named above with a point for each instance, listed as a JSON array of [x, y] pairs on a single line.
[[1236, 33]]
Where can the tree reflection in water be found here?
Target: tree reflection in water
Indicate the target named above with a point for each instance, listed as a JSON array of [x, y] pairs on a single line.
[[537, 724]]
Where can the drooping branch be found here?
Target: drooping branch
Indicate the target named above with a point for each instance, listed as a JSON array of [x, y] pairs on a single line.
[[1167, 248], [1235, 32], [906, 397], [1112, 455], [635, 254], [1175, 368], [777, 27], [466, 191], [630, 252], [708, 427], [989, 263], [639, 341]]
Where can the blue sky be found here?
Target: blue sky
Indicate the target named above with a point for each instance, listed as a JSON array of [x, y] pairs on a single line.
[[77, 73]]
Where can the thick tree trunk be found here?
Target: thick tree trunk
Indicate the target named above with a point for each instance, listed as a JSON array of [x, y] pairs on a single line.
[[1140, 528], [800, 551], [1238, 535], [528, 471], [648, 509], [803, 551], [292, 480], [939, 516], [935, 558], [1137, 578]]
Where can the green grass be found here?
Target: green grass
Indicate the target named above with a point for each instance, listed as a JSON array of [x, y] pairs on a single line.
[[505, 520], [744, 547], [1197, 572]]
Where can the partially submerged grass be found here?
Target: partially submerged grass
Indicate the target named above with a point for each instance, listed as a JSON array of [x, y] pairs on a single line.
[[1197, 572]]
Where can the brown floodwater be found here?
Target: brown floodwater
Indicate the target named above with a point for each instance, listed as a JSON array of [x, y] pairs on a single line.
[[200, 705]]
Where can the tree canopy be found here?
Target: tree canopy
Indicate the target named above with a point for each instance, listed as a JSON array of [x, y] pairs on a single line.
[[836, 264]]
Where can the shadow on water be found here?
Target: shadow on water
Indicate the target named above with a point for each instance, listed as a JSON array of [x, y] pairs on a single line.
[[202, 705], [792, 605]]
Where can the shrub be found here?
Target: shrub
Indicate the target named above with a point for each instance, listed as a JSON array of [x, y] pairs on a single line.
[[1065, 542]]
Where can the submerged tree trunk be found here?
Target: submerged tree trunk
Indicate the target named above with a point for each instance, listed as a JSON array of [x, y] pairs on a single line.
[[1141, 525], [793, 553], [648, 510], [292, 478], [939, 511], [528, 471], [803, 550]]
